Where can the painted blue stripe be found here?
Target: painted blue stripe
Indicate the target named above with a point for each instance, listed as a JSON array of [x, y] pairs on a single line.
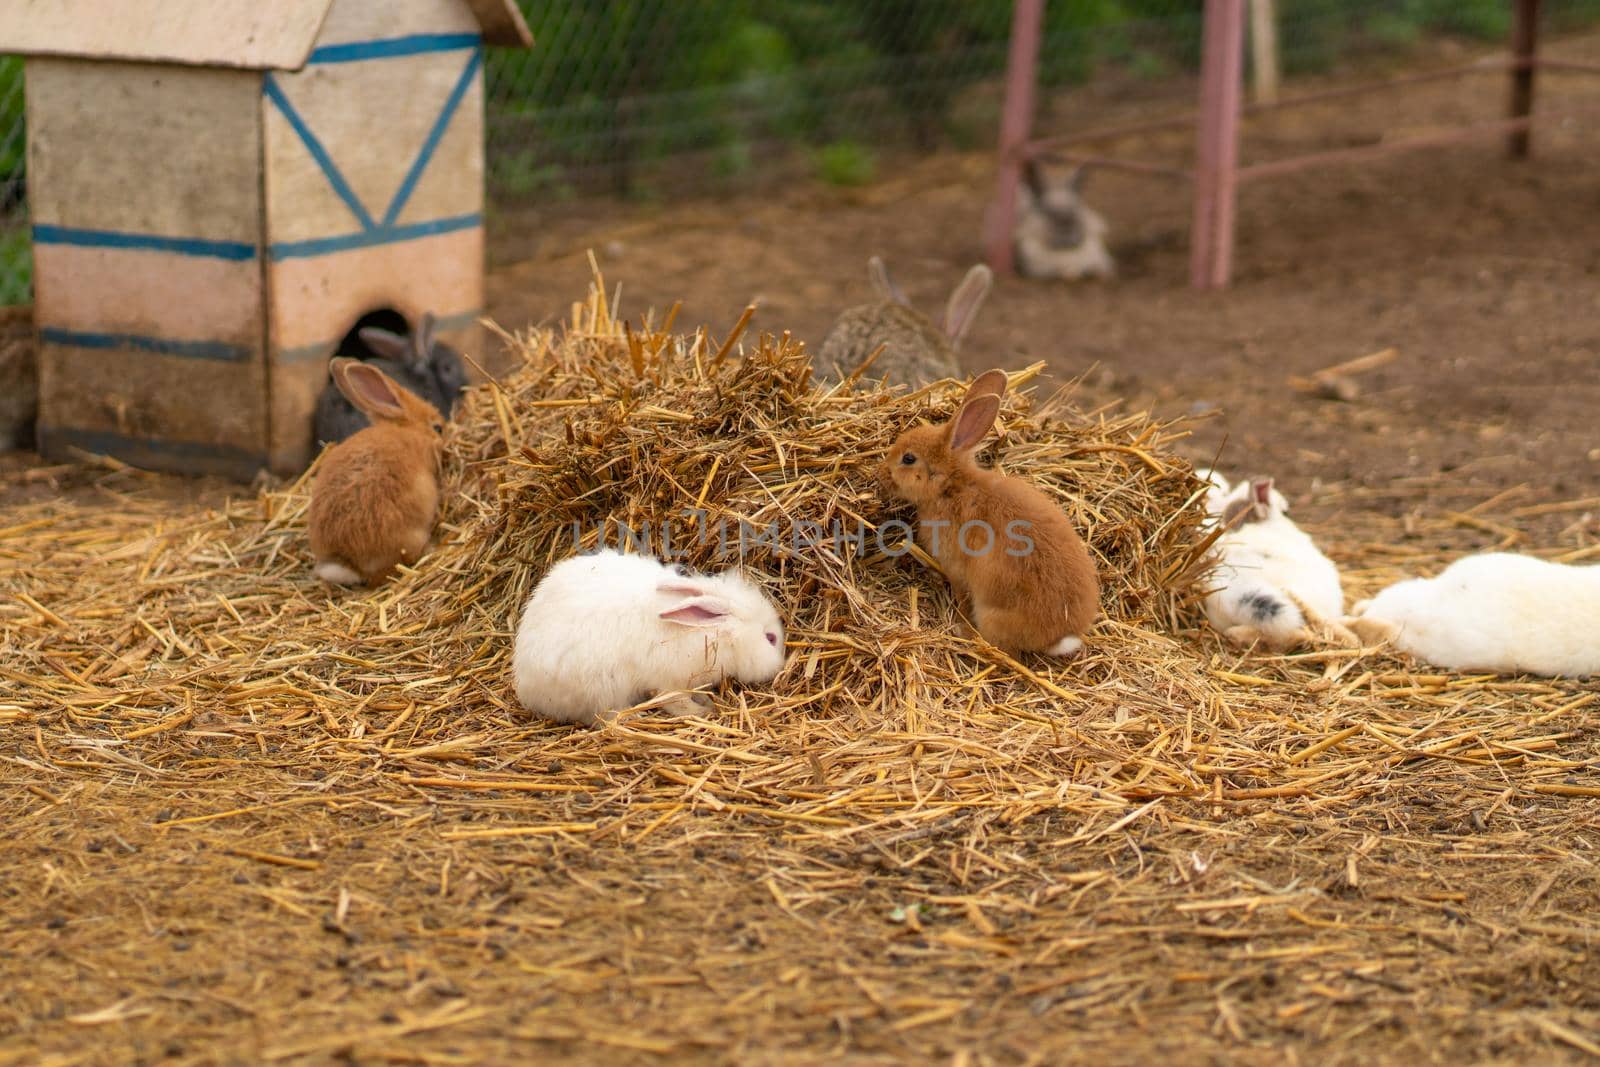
[[383, 235], [435, 135], [304, 353], [46, 234], [166, 346], [329, 169], [194, 457], [414, 45]]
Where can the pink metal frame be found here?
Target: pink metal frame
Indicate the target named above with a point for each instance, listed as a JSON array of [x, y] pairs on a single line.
[[1216, 161], [1027, 22], [1217, 174]]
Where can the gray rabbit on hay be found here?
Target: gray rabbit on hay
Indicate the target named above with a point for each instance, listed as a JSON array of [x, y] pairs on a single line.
[[916, 351]]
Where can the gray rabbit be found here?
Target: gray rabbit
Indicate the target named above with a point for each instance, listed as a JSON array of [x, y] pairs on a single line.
[[428, 367], [917, 352], [1057, 235]]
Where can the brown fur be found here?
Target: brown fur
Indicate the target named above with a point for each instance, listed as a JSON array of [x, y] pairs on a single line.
[[916, 351], [1019, 603], [375, 499]]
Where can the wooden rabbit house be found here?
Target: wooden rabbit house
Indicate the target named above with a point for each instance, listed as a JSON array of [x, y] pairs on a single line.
[[222, 192]]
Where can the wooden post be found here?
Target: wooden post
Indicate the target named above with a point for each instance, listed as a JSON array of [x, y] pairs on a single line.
[[1027, 22], [1264, 50], [1217, 145], [1524, 48]]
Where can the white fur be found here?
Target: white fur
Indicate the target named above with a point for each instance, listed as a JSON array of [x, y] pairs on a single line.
[[593, 639], [336, 573], [1264, 571], [1217, 495], [1066, 647], [1034, 255], [1496, 612]]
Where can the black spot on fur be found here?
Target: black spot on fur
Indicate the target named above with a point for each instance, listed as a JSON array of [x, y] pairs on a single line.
[[1262, 607]]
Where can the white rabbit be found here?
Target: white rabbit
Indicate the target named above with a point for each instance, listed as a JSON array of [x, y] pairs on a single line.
[[1269, 576], [606, 631], [1057, 235], [1216, 496], [1496, 612]]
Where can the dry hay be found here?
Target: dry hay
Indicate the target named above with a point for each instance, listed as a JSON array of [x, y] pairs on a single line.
[[909, 846]]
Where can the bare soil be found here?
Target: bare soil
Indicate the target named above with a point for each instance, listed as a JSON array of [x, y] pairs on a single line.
[[1483, 271]]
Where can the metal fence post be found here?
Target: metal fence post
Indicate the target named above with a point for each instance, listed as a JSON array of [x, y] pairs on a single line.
[[1217, 145], [1524, 47], [1027, 21], [1264, 50]]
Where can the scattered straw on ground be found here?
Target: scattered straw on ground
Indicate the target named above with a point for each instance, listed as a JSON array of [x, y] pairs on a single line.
[[253, 819]]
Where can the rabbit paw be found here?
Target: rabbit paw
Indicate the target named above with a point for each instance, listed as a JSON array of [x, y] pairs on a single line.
[[689, 704], [1242, 636], [1373, 632]]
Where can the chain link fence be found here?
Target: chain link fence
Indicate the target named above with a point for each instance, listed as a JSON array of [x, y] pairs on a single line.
[[671, 97], [638, 97]]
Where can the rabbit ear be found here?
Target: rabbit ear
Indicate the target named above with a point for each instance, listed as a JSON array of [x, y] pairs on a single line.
[[972, 422], [699, 611], [1261, 497], [881, 281], [990, 381], [1075, 179], [965, 300], [680, 587], [368, 388], [386, 344], [423, 338], [1034, 176]]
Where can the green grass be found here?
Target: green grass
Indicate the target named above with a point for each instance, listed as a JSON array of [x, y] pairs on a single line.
[[845, 163], [1393, 31], [16, 267]]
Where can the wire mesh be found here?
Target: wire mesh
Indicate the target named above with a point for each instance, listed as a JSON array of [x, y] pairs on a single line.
[[664, 97]]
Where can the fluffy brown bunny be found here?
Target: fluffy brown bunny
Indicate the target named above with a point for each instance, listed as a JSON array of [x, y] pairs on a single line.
[[376, 496], [1011, 555], [916, 352]]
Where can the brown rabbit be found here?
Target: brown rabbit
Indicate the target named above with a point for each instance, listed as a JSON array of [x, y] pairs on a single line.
[[1011, 555], [916, 351], [376, 496]]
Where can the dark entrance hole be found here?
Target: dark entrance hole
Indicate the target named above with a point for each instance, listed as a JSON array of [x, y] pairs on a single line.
[[389, 319]]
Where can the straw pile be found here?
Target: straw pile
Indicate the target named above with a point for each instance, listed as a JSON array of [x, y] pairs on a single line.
[[909, 844], [736, 454], [736, 458]]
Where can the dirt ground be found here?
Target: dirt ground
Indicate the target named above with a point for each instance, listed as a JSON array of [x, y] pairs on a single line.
[[1454, 922], [1483, 272]]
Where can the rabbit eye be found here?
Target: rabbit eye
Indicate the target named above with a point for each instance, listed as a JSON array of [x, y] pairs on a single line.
[[772, 639], [907, 460]]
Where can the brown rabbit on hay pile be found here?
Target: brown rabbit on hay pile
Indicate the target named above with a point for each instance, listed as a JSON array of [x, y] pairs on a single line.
[[375, 499], [916, 351], [1010, 553]]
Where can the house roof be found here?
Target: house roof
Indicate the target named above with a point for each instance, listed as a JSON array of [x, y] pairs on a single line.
[[248, 34]]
